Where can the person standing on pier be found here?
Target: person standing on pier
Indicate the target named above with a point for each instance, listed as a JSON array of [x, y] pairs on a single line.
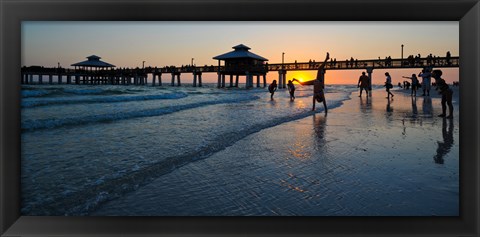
[[363, 84], [272, 88], [388, 85], [318, 85]]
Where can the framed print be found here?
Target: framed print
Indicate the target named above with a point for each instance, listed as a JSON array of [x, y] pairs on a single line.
[[239, 118]]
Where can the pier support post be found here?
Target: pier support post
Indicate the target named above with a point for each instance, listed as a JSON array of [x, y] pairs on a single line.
[[31, 79], [69, 79], [77, 79], [40, 79], [369, 72], [280, 76], [160, 79], [223, 80], [153, 78], [25, 78], [60, 79], [50, 79], [219, 80], [173, 79], [251, 80], [258, 81], [200, 79], [231, 80], [264, 80], [236, 80], [178, 79], [247, 80], [194, 79]]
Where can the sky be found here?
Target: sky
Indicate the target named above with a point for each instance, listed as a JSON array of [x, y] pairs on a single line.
[[128, 44]]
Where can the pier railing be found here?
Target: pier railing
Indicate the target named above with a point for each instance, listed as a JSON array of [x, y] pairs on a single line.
[[364, 64]]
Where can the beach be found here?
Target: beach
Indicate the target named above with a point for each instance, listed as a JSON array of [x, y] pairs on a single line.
[[184, 151], [365, 158]]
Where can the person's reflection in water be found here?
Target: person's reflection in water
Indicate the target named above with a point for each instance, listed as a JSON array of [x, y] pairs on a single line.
[[427, 106], [320, 123], [365, 104], [414, 107], [389, 108], [445, 146]]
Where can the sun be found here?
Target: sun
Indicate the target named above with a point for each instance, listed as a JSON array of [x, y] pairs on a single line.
[[300, 76]]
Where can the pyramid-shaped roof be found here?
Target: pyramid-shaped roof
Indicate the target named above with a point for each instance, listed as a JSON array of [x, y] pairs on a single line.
[[241, 51], [93, 61]]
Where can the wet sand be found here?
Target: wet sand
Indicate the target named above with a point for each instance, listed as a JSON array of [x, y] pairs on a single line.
[[370, 157]]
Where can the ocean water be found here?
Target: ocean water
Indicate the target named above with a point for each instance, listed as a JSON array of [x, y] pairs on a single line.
[[83, 146], [368, 157]]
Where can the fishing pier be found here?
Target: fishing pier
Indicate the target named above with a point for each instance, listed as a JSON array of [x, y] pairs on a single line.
[[240, 62]]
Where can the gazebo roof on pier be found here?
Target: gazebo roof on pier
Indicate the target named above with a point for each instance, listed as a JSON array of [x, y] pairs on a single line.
[[241, 51], [93, 61]]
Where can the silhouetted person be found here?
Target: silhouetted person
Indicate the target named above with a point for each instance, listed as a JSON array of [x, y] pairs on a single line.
[[414, 84], [446, 93], [445, 146], [363, 84], [272, 88], [388, 85], [448, 57], [426, 81], [407, 85], [318, 85], [291, 90]]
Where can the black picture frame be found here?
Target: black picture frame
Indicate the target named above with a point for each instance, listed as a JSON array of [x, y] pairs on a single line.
[[13, 12]]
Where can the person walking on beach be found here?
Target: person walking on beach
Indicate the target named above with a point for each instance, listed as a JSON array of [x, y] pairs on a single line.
[[318, 85], [426, 81], [291, 90], [388, 85], [272, 88], [446, 92], [414, 84], [363, 84]]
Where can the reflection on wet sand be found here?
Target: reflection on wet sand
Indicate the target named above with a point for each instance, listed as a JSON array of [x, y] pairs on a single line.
[[445, 146], [389, 108], [427, 106], [414, 107], [319, 122], [365, 104]]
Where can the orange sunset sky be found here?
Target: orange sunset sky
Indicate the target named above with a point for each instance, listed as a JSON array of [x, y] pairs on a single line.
[[128, 44]]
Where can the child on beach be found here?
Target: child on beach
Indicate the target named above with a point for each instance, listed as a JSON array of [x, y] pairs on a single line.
[[291, 90], [426, 81], [446, 93], [318, 85], [272, 88], [414, 84], [388, 85], [363, 84]]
